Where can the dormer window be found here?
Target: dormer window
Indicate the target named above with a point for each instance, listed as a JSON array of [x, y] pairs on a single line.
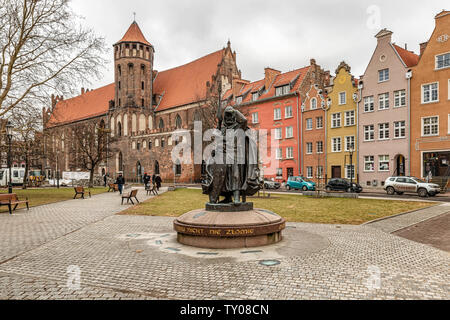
[[239, 100], [279, 91], [255, 96]]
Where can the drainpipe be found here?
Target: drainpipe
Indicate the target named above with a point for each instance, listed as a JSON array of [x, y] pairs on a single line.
[[360, 86], [299, 143], [408, 165]]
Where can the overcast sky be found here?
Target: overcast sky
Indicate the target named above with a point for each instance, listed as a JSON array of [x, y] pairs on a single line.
[[282, 34]]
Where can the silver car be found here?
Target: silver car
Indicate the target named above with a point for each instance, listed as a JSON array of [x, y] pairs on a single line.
[[401, 185]]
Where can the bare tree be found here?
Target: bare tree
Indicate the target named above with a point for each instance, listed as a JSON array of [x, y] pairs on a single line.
[[27, 123], [91, 145], [43, 49]]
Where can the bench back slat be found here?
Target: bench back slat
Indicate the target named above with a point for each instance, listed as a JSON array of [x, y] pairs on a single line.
[[79, 189], [133, 193], [8, 196]]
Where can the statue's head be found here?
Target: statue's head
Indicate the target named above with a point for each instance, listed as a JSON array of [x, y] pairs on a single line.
[[229, 117]]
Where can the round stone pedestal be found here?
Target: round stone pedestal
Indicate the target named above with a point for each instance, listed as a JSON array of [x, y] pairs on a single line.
[[218, 229]]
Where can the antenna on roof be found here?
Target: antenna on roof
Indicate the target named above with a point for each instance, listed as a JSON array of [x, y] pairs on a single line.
[[134, 18]]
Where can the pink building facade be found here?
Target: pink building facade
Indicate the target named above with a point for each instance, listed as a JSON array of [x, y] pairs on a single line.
[[383, 113]]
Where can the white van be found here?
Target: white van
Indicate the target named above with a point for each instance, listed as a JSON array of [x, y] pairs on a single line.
[[18, 175]]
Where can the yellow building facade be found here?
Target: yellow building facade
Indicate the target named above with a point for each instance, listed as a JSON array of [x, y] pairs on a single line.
[[342, 125]]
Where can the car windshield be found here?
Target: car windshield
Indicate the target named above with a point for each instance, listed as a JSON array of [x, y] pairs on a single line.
[[307, 180], [419, 180]]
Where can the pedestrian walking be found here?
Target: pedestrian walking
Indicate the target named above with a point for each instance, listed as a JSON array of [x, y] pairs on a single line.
[[158, 182], [105, 178], [120, 181]]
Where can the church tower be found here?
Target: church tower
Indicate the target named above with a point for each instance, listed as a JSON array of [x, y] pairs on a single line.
[[133, 62]]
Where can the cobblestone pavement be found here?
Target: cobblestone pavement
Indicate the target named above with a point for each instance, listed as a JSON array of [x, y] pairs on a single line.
[[118, 259]]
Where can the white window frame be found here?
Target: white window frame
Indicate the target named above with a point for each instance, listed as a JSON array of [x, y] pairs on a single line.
[[382, 130], [255, 96], [239, 100], [309, 172], [431, 92], [336, 142], [308, 149], [370, 161], [384, 75], [255, 118], [352, 118], [340, 98], [347, 143], [436, 61], [372, 131], [278, 133], [336, 121], [353, 171], [279, 153], [423, 126], [313, 104], [398, 127], [289, 132], [277, 114], [369, 102], [309, 120], [399, 96], [385, 161], [317, 123], [319, 150], [288, 112], [290, 153], [383, 100]]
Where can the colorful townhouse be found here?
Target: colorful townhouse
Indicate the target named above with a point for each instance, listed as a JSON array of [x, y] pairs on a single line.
[[430, 105], [383, 113], [274, 104], [341, 125]]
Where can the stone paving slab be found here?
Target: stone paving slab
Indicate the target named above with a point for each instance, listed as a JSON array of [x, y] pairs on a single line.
[[25, 230], [340, 270], [395, 223]]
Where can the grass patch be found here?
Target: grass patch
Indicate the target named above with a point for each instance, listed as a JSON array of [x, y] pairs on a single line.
[[47, 195], [293, 208]]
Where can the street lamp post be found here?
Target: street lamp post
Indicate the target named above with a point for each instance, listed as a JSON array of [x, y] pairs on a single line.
[[351, 150], [9, 129]]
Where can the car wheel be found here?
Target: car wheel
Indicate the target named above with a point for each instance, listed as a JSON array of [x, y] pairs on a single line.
[[288, 187], [328, 189], [390, 191], [422, 193], [305, 188]]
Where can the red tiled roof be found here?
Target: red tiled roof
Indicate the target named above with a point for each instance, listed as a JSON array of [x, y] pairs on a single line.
[[90, 104], [134, 34], [409, 58], [187, 83], [286, 78]]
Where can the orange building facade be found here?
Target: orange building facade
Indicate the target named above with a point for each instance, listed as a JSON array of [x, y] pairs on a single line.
[[430, 105]]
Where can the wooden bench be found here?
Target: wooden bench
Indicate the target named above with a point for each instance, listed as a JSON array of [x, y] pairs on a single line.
[[151, 189], [10, 200], [113, 187], [130, 195], [80, 191]]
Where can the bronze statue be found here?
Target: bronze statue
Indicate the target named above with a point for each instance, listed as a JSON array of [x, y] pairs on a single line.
[[232, 170]]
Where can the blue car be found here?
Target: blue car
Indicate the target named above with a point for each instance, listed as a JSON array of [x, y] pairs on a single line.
[[300, 183]]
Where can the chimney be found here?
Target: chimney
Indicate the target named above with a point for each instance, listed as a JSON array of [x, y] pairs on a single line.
[[406, 46], [270, 75], [82, 91], [423, 45]]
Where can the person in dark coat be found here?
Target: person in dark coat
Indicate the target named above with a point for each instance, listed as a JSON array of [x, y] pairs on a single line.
[[120, 181], [146, 179], [158, 182], [105, 177], [153, 178]]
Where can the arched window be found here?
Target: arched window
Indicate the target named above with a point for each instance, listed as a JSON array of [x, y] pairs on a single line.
[[178, 122], [130, 68], [149, 144], [112, 126], [161, 123], [125, 124], [119, 70], [133, 122], [313, 103], [119, 129], [120, 167], [150, 122]]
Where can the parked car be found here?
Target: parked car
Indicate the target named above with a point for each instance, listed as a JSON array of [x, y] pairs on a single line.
[[300, 183], [269, 184], [337, 184], [400, 185]]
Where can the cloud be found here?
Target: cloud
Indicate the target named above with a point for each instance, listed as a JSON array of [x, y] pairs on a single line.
[[281, 34]]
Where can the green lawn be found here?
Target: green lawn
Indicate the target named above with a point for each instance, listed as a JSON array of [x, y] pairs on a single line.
[[292, 207], [46, 195]]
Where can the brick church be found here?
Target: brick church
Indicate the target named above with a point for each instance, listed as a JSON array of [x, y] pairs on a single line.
[[141, 108]]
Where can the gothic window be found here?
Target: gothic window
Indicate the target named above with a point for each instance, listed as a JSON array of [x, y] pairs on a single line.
[[161, 123], [150, 122], [178, 122], [130, 68], [119, 69], [156, 167], [120, 162], [119, 129], [163, 143], [112, 125], [133, 122], [149, 144]]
